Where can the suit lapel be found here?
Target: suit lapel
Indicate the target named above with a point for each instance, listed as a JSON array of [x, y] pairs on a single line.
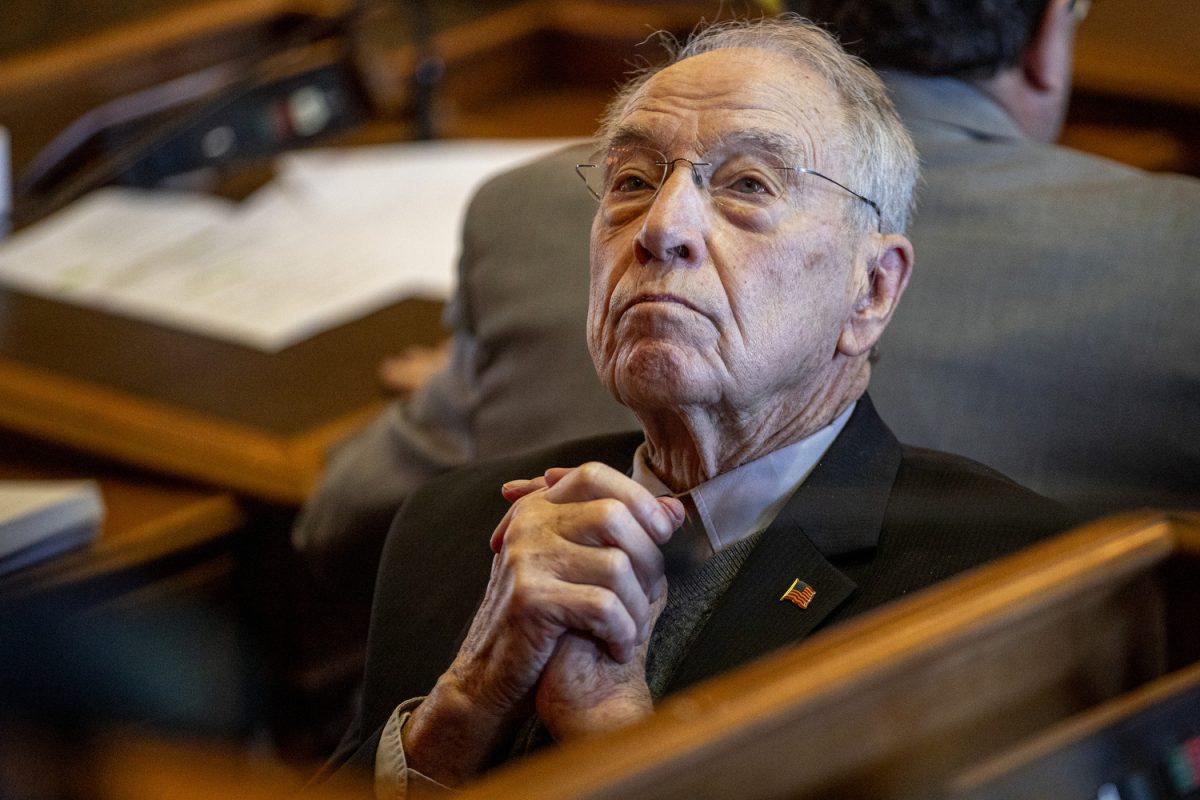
[[838, 510]]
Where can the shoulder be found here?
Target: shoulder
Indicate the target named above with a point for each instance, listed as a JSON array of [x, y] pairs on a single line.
[[478, 484], [945, 515], [1024, 171], [957, 502], [925, 466]]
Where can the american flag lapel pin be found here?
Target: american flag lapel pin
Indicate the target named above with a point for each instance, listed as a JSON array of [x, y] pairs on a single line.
[[799, 593]]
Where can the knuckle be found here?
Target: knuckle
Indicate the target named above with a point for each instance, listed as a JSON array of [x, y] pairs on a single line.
[[606, 605], [625, 631], [617, 563], [591, 471], [523, 600], [609, 512]]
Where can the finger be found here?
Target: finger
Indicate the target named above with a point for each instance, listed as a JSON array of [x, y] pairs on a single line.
[[594, 481], [411, 369], [609, 568], [599, 612], [608, 524], [556, 474], [497, 539], [514, 490], [673, 506], [501, 530]]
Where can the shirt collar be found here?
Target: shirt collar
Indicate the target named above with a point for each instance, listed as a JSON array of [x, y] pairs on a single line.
[[745, 500]]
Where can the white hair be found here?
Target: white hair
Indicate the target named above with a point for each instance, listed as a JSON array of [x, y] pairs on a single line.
[[886, 169]]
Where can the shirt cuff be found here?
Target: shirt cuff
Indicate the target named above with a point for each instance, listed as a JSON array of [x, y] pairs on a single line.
[[393, 778]]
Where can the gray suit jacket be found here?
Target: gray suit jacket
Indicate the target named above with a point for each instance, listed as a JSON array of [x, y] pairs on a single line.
[[1051, 328]]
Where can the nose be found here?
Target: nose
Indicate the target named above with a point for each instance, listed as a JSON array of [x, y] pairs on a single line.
[[676, 223]]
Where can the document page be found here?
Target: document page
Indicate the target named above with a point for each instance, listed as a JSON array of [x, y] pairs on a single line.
[[337, 235]]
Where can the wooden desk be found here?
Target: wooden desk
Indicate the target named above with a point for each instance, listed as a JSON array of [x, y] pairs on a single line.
[[147, 519], [191, 406]]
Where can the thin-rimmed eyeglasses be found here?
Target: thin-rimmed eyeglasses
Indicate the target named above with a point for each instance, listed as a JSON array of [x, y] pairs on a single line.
[[628, 178]]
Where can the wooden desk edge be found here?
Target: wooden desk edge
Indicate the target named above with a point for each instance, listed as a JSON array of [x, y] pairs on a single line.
[[100, 50], [199, 522], [178, 441]]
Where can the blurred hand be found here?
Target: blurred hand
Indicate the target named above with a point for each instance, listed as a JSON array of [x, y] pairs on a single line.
[[405, 373]]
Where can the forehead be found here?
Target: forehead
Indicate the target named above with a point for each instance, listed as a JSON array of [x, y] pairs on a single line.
[[705, 101]]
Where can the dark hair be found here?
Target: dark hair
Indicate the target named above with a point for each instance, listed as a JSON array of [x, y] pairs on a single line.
[[965, 38]]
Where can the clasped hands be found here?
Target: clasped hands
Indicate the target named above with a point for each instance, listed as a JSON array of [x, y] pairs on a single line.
[[576, 586]]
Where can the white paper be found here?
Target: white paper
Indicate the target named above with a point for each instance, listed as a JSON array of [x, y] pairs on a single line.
[[338, 234], [34, 511]]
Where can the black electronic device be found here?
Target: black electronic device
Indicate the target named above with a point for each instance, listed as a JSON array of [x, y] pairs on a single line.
[[307, 87]]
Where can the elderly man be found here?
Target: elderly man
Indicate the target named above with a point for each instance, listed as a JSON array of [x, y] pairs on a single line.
[[746, 256]]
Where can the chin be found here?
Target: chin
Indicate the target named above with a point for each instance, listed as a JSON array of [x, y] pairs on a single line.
[[657, 377]]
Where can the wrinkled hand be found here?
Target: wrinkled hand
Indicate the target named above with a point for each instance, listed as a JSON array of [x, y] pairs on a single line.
[[583, 690], [578, 553]]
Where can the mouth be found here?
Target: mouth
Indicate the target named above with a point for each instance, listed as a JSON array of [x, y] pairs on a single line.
[[659, 297]]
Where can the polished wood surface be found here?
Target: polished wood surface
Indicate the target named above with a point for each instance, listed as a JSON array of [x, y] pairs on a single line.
[[125, 766], [192, 406], [147, 517], [1141, 48], [895, 703]]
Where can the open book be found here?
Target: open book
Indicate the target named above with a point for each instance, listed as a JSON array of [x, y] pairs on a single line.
[[40, 519]]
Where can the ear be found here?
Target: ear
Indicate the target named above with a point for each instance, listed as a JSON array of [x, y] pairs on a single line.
[[887, 269], [1045, 63]]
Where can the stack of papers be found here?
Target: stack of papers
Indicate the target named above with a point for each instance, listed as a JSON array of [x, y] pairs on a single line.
[[40, 519], [338, 234]]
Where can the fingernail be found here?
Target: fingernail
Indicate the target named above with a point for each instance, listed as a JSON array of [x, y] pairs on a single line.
[[673, 510], [512, 487]]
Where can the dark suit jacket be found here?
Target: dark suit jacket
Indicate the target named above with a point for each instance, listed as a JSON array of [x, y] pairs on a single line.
[[889, 519]]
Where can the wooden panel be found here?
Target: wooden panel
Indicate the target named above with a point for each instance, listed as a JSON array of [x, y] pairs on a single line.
[[890, 704], [281, 394], [143, 432], [1143, 49]]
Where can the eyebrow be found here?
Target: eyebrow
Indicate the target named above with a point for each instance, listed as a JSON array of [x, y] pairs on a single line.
[[788, 148], [631, 135]]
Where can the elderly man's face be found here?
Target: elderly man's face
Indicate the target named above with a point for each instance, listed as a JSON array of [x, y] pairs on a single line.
[[734, 305]]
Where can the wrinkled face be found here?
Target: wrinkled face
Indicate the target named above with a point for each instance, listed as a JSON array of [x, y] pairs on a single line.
[[731, 293]]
